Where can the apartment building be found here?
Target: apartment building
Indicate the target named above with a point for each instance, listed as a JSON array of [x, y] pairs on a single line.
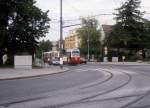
[[105, 30], [72, 41]]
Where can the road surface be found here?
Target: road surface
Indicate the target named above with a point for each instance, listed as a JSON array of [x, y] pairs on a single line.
[[83, 86]]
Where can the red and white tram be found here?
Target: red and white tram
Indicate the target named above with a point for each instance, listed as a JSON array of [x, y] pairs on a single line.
[[70, 56], [73, 56], [48, 56]]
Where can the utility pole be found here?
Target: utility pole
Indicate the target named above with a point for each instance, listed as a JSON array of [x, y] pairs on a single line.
[[61, 36], [88, 44]]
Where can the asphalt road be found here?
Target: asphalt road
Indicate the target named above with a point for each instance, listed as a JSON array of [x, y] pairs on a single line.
[[83, 86]]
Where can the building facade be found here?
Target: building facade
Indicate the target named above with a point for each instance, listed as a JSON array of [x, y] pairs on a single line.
[[55, 46], [105, 30], [72, 41]]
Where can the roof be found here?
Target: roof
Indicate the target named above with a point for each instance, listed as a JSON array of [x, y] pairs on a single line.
[[107, 28]]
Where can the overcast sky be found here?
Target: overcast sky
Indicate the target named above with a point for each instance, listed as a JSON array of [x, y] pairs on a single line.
[[74, 9]]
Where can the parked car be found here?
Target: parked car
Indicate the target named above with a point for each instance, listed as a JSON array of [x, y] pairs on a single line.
[[83, 60], [49, 61], [55, 62]]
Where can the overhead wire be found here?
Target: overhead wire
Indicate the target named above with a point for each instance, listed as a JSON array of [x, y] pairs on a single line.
[[54, 20], [72, 6], [53, 29], [92, 16], [97, 15]]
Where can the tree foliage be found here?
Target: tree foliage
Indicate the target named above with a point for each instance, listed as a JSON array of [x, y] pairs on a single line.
[[44, 46], [130, 30], [21, 25], [89, 28]]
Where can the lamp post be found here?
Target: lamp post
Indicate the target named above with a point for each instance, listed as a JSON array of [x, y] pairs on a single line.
[[88, 41], [88, 45]]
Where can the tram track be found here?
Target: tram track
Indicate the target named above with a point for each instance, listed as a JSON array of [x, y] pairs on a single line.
[[84, 100], [138, 99], [98, 83], [92, 97], [140, 96], [43, 97]]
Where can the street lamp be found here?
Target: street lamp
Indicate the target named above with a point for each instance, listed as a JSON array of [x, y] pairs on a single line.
[[88, 45], [88, 39]]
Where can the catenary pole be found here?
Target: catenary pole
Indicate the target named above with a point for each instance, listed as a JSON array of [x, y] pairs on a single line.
[[61, 36]]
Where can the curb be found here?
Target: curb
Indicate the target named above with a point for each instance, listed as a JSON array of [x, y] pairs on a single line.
[[121, 63], [125, 64], [34, 76]]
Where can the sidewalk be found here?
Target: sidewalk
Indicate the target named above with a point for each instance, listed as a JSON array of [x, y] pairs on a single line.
[[122, 63], [9, 74]]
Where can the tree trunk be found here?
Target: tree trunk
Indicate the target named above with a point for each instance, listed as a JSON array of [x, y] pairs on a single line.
[[143, 54], [1, 61]]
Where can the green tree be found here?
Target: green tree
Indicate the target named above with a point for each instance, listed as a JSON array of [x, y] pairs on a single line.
[[89, 28], [130, 31], [147, 26], [44, 46], [5, 11], [22, 24]]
